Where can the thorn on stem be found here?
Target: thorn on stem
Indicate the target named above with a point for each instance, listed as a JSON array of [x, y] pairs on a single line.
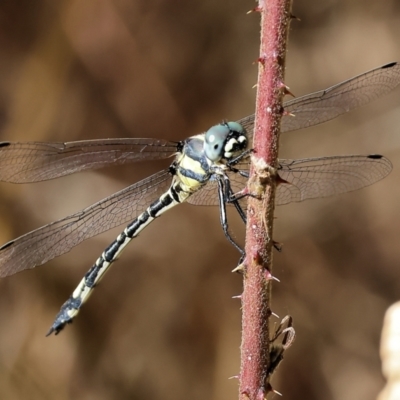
[[278, 246], [267, 275], [239, 268], [294, 17], [262, 59], [271, 389], [256, 9], [286, 113], [280, 180], [285, 89]]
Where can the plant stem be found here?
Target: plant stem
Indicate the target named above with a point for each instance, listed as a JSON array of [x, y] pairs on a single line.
[[256, 309]]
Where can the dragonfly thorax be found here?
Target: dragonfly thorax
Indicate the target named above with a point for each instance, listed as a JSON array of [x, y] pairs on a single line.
[[224, 141]]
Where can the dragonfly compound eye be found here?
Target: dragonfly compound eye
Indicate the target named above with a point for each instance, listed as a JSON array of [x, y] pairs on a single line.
[[236, 141], [224, 140]]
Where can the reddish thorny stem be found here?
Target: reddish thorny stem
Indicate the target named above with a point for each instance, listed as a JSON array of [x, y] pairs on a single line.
[[256, 310]]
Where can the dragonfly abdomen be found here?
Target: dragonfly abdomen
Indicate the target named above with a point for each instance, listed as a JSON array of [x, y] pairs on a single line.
[[70, 309]]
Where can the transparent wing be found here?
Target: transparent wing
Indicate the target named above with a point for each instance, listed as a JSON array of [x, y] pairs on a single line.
[[43, 244], [302, 179], [316, 108], [36, 161], [208, 194], [311, 178], [326, 176]]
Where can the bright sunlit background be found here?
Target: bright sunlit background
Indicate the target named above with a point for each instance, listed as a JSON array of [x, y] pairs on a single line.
[[163, 324]]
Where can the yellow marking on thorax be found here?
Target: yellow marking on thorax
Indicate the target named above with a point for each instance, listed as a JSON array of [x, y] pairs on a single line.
[[195, 144], [188, 163]]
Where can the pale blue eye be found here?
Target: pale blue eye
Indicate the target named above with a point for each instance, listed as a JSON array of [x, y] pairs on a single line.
[[236, 127], [224, 140], [214, 141]]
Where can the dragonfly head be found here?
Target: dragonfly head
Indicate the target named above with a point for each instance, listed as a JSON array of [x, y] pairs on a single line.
[[225, 141]]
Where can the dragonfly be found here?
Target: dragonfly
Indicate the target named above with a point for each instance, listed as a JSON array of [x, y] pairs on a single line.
[[208, 169]]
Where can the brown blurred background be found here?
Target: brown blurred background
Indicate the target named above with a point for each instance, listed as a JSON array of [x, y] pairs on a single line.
[[162, 324]]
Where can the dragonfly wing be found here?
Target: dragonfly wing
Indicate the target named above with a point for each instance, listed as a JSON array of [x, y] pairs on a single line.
[[43, 244], [316, 108], [322, 106], [326, 176], [310, 178], [248, 124], [208, 194], [36, 161]]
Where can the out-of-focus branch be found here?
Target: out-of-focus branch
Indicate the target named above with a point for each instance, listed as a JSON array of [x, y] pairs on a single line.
[[256, 366]]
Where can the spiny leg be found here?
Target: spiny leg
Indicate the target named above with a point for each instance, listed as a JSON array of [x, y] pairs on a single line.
[[222, 196], [231, 198]]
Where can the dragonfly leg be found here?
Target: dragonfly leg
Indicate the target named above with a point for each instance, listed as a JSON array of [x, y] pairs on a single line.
[[231, 198], [223, 192], [240, 157], [234, 198]]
